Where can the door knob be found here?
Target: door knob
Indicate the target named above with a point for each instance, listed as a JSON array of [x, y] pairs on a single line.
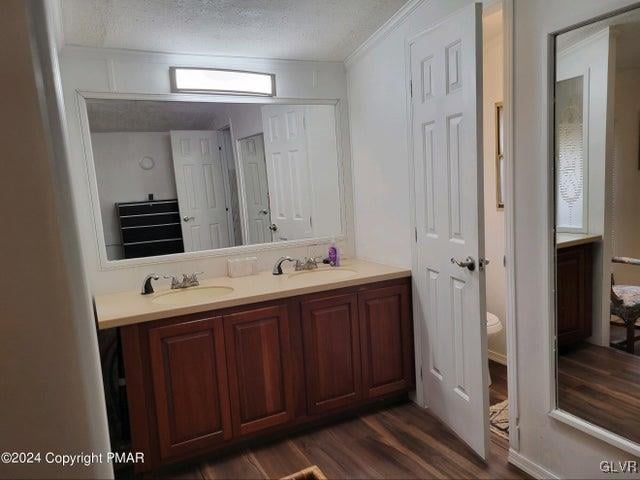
[[188, 219], [264, 212], [468, 263], [273, 227]]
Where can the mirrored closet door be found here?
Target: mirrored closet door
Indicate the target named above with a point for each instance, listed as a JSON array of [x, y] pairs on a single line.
[[597, 223]]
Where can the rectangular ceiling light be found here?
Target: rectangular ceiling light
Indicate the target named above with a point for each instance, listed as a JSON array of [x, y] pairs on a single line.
[[230, 82]]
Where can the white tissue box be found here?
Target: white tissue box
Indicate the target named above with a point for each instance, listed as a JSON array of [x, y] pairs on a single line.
[[241, 267]]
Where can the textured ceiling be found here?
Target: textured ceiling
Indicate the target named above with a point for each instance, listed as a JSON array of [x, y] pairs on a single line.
[[287, 29], [150, 116]]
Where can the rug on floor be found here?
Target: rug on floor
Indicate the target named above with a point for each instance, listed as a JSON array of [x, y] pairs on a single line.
[[499, 419], [310, 473]]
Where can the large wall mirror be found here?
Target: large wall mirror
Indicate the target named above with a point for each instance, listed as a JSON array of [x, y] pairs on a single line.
[[597, 224], [181, 176]]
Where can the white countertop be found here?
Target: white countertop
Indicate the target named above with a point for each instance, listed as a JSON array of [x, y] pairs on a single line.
[[127, 308], [564, 240]]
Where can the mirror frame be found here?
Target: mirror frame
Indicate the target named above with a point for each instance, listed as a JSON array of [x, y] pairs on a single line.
[[554, 411], [96, 215]]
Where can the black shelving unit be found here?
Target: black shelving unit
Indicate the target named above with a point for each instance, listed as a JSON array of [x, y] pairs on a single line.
[[150, 228]]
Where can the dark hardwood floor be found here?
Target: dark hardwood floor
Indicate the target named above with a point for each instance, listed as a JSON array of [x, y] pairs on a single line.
[[398, 441], [401, 441], [602, 386]]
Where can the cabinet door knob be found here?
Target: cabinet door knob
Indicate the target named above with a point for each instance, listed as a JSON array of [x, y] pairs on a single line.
[[188, 219]]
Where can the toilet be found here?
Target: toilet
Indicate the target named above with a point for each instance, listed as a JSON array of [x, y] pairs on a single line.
[[494, 325]]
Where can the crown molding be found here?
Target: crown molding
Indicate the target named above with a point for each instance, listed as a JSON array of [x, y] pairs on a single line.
[[386, 29]]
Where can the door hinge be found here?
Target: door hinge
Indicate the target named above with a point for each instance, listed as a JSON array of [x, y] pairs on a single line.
[[411, 88], [415, 233], [219, 148], [420, 373], [311, 221]]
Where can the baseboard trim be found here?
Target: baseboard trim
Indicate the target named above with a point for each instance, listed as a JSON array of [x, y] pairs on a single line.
[[497, 357], [527, 466]]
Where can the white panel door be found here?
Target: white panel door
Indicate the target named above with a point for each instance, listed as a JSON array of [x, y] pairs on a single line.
[[287, 170], [201, 193], [446, 74], [256, 190]]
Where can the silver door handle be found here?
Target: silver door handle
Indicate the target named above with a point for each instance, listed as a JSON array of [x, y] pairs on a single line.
[[264, 212], [468, 263], [188, 219], [273, 227]]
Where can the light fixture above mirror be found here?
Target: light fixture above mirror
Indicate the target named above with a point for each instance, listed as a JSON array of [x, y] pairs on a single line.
[[221, 81]]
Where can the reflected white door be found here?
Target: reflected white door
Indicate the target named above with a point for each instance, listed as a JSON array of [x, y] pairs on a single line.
[[446, 73], [256, 190], [201, 193], [287, 170]]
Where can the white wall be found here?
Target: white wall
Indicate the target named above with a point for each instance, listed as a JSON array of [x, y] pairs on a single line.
[[626, 174], [103, 70], [116, 156], [492, 85], [51, 396], [555, 446]]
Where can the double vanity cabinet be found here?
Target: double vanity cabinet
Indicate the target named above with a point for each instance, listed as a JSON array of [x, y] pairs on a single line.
[[207, 380]]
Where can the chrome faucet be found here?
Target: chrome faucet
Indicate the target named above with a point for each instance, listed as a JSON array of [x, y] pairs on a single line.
[[277, 268], [147, 288], [188, 280], [307, 263]]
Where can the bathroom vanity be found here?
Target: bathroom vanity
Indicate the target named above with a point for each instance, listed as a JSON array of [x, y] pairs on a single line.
[[265, 356], [575, 287]]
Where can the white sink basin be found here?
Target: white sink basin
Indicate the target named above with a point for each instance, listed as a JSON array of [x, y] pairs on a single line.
[[192, 295], [322, 275]]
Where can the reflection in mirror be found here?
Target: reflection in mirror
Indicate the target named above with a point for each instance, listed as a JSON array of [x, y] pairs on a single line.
[[597, 226], [177, 177]]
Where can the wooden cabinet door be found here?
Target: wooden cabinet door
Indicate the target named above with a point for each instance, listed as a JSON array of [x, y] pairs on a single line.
[[574, 294], [331, 342], [386, 340], [260, 368], [190, 386]]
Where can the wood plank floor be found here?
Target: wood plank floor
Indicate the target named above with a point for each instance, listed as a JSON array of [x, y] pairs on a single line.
[[602, 386], [401, 441]]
